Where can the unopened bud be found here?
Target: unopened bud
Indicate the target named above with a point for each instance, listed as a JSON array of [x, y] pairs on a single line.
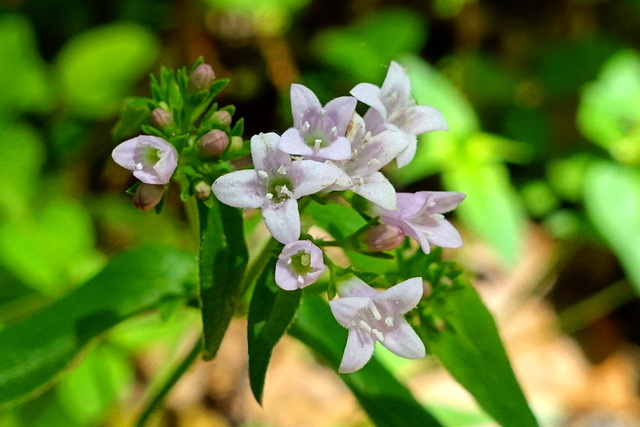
[[162, 118], [382, 237], [213, 143], [147, 196], [223, 117], [202, 190], [236, 143], [202, 78]]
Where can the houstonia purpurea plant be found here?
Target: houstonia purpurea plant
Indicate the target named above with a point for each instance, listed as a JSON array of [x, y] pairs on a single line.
[[324, 173]]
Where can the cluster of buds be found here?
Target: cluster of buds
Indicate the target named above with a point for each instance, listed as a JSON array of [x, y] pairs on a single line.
[[329, 148]]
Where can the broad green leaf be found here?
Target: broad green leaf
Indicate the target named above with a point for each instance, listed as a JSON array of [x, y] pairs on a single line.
[[34, 351], [469, 347], [387, 402], [365, 49], [223, 258], [24, 79], [608, 110], [270, 313], [492, 208], [612, 199], [98, 67]]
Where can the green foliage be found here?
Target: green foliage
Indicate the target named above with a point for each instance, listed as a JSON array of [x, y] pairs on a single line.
[[612, 199], [97, 68], [35, 350], [387, 402], [461, 332], [270, 313]]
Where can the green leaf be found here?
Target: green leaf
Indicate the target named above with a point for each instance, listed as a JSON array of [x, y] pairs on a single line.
[[365, 49], [135, 113], [387, 402], [270, 313], [492, 208], [612, 199], [469, 347], [223, 259], [35, 350], [97, 68]]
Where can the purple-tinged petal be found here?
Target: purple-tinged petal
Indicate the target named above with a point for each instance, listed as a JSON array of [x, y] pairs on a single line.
[[355, 287], [357, 352], [343, 309], [370, 95], [421, 234], [291, 142], [411, 204], [240, 189], [124, 152], [151, 159], [282, 219], [265, 153], [403, 341], [164, 168], [378, 151], [402, 297], [396, 88], [423, 118], [405, 157], [443, 234], [377, 189], [375, 122], [445, 201], [309, 176], [303, 101], [340, 149], [340, 110], [299, 265]]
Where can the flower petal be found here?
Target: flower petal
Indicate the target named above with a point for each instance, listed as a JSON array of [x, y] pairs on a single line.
[[396, 87], [265, 153], [444, 235], [303, 101], [340, 149], [404, 341], [124, 152], [424, 118], [282, 219], [370, 94], [353, 286], [377, 189], [345, 309], [357, 352], [309, 176], [445, 201], [291, 142], [402, 297], [339, 111], [405, 157], [240, 189]]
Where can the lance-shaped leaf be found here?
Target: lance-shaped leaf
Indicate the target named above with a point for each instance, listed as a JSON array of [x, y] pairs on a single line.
[[270, 313], [469, 347], [223, 258], [34, 350], [387, 401]]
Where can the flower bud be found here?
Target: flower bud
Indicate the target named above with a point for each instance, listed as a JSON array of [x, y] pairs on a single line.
[[382, 237], [223, 117], [202, 190], [236, 143], [213, 143], [201, 78], [162, 118], [147, 196]]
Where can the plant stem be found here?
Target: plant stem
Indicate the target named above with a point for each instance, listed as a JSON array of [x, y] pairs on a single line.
[[171, 381]]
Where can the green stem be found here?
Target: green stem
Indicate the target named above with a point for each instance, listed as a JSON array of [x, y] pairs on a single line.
[[171, 381]]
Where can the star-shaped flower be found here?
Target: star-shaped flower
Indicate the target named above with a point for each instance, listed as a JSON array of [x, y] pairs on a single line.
[[419, 215], [275, 185], [152, 159], [392, 107], [318, 132], [299, 264], [374, 316]]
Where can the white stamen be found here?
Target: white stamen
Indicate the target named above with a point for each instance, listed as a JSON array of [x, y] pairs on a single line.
[[388, 321], [282, 189], [300, 280], [427, 232], [373, 162], [282, 170], [289, 261], [139, 166], [306, 126], [375, 312], [436, 216], [334, 130], [262, 174], [378, 335], [269, 196], [364, 325], [431, 204]]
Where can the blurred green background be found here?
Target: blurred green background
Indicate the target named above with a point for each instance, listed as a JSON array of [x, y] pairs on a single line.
[[542, 101]]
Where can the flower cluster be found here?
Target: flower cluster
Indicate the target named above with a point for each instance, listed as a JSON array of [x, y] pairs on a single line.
[[329, 148]]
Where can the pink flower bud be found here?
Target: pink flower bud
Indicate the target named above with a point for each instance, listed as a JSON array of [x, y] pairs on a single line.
[[147, 196], [202, 190], [382, 237], [161, 118], [213, 143], [223, 117], [202, 78]]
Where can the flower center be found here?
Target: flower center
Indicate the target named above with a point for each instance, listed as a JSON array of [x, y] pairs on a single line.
[[300, 263], [279, 188]]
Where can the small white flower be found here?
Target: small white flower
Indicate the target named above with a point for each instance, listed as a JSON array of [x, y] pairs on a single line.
[[151, 159], [299, 264], [374, 316]]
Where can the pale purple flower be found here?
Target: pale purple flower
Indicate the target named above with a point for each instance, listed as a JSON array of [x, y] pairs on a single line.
[[392, 107], [419, 215], [374, 316], [299, 264], [152, 159], [370, 153], [275, 185], [318, 132]]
